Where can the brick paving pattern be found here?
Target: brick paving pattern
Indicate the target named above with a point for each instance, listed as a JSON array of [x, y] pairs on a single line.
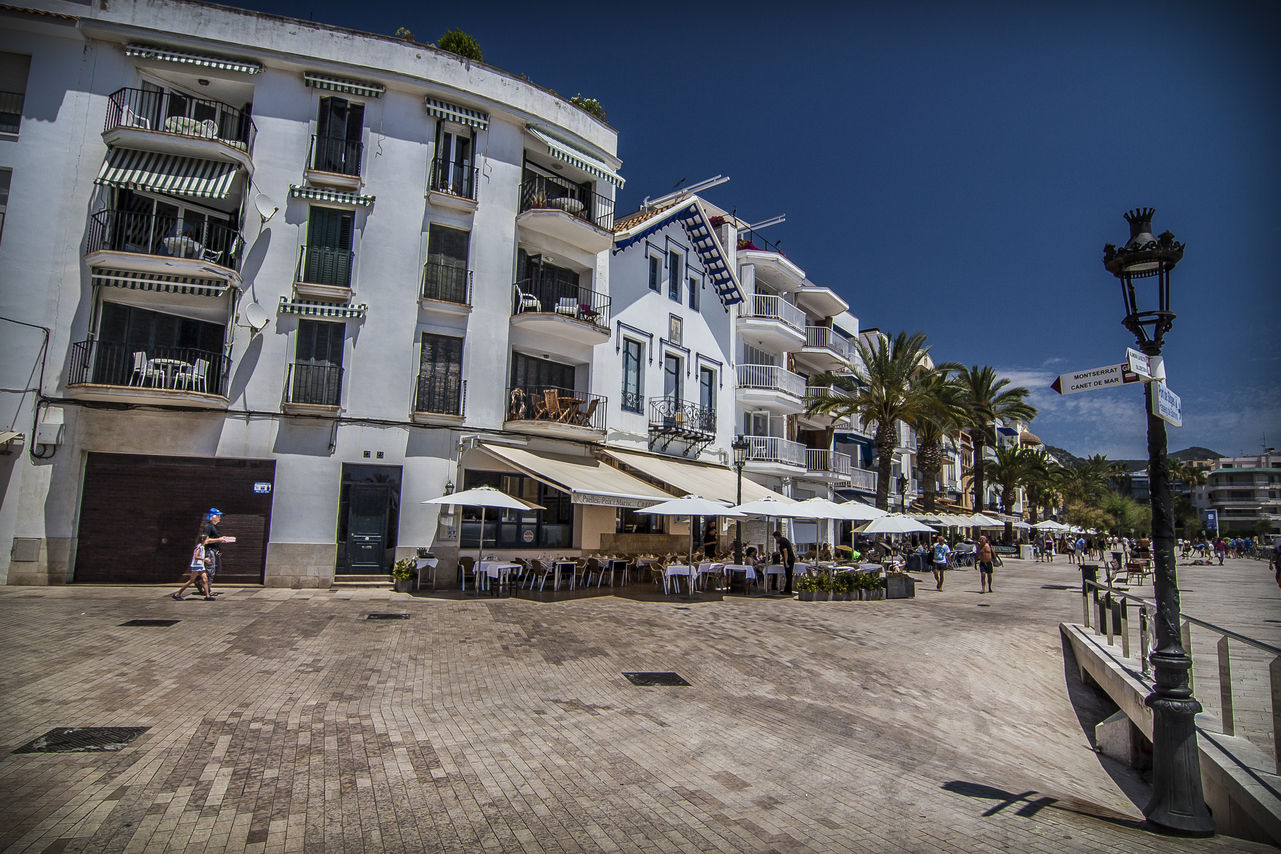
[[285, 721]]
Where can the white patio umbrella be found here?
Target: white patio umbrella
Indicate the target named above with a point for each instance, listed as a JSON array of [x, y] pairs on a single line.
[[978, 520], [691, 505], [484, 497], [1023, 526], [895, 523], [1050, 525]]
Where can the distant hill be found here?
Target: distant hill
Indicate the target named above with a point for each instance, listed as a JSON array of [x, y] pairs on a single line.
[[1069, 459]]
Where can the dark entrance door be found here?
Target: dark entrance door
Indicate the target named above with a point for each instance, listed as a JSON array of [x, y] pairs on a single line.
[[368, 519], [140, 516]]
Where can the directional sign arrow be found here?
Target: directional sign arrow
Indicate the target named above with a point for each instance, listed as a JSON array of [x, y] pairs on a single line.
[[1095, 378]]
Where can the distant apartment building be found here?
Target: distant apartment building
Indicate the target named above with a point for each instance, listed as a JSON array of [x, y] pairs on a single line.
[[1245, 492]]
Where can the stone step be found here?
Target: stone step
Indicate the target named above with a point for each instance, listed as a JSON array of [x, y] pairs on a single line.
[[349, 581]]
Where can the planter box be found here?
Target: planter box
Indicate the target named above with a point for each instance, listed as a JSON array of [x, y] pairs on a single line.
[[805, 595], [899, 586], [405, 586]]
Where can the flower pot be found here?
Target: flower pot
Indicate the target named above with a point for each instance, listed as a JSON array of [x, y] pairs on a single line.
[[404, 585], [806, 595]]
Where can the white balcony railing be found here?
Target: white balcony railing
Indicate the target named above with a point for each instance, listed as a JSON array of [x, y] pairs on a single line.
[[827, 462], [771, 378], [774, 308], [863, 479], [827, 339], [774, 449]]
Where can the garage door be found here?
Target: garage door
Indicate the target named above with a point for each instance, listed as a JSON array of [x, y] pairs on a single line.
[[140, 516]]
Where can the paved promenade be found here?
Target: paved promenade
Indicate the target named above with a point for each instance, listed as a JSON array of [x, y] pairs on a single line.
[[285, 721]]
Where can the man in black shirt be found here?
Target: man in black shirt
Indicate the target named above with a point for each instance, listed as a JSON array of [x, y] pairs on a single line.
[[212, 540], [787, 555]]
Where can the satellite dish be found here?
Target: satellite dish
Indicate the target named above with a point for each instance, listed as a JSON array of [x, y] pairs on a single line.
[[266, 207], [256, 316]]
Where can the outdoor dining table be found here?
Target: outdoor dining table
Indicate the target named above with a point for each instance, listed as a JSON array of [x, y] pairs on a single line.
[[748, 572], [559, 566], [171, 368], [679, 570], [774, 573], [492, 570], [422, 563]]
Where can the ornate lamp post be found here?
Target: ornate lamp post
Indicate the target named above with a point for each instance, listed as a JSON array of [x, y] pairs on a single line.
[[741, 448], [902, 488], [1177, 801]]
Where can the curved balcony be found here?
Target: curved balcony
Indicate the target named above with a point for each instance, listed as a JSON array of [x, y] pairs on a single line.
[[770, 387], [820, 301], [772, 323], [567, 213], [773, 455], [553, 411], [769, 262], [822, 422], [825, 350], [823, 464], [547, 308], [163, 244], [863, 480], [120, 373], [174, 123]]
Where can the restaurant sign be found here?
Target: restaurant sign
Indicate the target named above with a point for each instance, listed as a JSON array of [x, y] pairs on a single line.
[[602, 500]]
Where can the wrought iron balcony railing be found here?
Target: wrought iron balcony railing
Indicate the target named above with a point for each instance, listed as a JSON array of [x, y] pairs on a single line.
[[314, 384], [440, 394], [336, 154], [556, 404], [145, 234], [167, 368], [669, 413], [181, 115], [457, 178], [542, 193], [447, 281], [550, 296]]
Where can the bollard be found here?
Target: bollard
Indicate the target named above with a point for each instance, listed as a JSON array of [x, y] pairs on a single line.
[[1225, 686], [1089, 573], [1125, 628], [1145, 627]]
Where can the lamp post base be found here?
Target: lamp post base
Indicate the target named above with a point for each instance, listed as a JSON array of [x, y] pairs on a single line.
[[1178, 801]]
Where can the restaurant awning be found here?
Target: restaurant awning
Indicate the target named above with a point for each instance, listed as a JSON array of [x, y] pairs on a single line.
[[690, 478], [167, 173], [586, 479]]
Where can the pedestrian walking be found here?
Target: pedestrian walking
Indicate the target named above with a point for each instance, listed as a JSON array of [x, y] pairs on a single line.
[[940, 556], [212, 539], [197, 572], [984, 555], [787, 555], [1221, 549]]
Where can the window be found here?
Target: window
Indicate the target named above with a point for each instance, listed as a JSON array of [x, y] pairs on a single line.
[[440, 375], [753, 356], [655, 273], [445, 277], [672, 376], [534, 375], [452, 170], [694, 286], [551, 527], [633, 391], [5, 175], [674, 276], [316, 375], [327, 257], [707, 389], [339, 128], [13, 90]]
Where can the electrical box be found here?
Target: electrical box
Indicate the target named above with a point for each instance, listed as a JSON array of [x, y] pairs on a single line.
[[49, 433]]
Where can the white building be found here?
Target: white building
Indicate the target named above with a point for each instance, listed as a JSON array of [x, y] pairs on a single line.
[[1246, 492]]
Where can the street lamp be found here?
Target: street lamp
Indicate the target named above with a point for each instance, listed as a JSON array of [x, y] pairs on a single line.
[[741, 448], [902, 488], [1177, 801]]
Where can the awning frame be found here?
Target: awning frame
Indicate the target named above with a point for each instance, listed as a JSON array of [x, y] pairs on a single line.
[[324, 194], [167, 173], [576, 157], [142, 51]]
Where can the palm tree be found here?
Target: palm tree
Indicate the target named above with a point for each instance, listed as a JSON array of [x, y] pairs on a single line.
[[884, 389], [1043, 484], [1091, 479], [940, 416], [986, 398], [1011, 468]]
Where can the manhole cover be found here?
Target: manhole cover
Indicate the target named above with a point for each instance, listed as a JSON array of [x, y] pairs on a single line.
[[83, 739], [388, 617], [161, 623], [655, 678], [1059, 587]]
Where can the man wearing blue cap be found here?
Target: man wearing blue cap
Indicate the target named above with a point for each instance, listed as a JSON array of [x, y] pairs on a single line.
[[212, 540]]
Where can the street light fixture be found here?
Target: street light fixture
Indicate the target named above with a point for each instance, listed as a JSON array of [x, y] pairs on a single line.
[[741, 447], [1178, 803], [902, 488]]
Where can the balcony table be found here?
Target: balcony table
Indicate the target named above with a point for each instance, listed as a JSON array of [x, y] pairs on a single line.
[[570, 206], [171, 368], [182, 247]]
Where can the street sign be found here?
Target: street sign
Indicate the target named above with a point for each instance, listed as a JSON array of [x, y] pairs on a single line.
[[1212, 520], [1138, 363], [1095, 378], [1167, 405]]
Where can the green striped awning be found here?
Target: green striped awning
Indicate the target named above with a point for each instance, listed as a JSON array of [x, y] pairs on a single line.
[[140, 281], [142, 51], [167, 173], [454, 113], [341, 84], [321, 309], [322, 194], [574, 157]]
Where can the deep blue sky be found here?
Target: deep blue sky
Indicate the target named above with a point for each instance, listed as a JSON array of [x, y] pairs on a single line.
[[956, 168]]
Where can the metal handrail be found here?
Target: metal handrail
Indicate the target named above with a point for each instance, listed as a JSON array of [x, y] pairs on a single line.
[[825, 338], [335, 154], [775, 449], [94, 362], [550, 296], [456, 178], [180, 115], [863, 478], [144, 234], [670, 412], [447, 282], [824, 460], [314, 384], [750, 241], [771, 307], [771, 377], [538, 192], [440, 394], [556, 404]]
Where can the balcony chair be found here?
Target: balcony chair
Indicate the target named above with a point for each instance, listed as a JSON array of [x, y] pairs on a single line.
[[195, 378], [551, 410], [567, 306], [584, 416], [527, 302], [144, 370], [128, 118]]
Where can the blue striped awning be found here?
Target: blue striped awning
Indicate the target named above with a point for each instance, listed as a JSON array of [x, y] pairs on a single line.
[[341, 84], [144, 52], [167, 173], [323, 194], [454, 113], [575, 157], [140, 281], [321, 309]]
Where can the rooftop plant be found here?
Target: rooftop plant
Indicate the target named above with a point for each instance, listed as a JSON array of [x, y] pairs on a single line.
[[461, 43], [590, 105]]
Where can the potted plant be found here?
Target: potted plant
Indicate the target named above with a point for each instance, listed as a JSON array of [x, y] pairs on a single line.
[[843, 586], [822, 587], [806, 585], [403, 573]]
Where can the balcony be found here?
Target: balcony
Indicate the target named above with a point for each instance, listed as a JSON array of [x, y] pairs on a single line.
[[863, 480], [324, 271], [822, 422], [119, 373], [439, 399], [770, 387], [825, 349], [770, 262], [827, 465], [544, 308], [164, 245], [772, 455], [566, 212], [312, 389], [452, 184], [446, 287], [772, 323], [553, 411], [174, 123], [680, 425], [334, 161], [820, 301]]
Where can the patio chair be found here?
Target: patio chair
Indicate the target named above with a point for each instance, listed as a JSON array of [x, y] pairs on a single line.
[[144, 370], [466, 569], [583, 416], [537, 572], [128, 118], [567, 306], [527, 302], [194, 378], [551, 405]]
